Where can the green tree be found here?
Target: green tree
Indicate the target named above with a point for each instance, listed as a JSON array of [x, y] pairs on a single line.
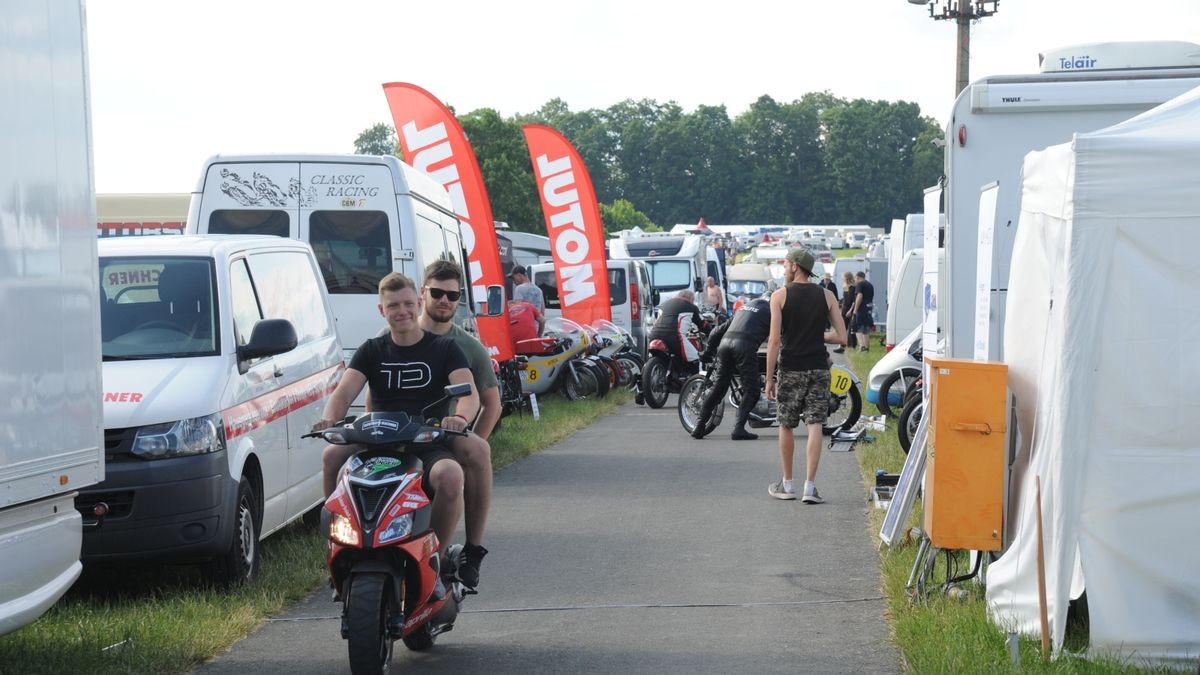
[[621, 215], [377, 140], [503, 159]]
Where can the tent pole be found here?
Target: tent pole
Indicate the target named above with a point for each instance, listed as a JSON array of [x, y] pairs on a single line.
[[1041, 575]]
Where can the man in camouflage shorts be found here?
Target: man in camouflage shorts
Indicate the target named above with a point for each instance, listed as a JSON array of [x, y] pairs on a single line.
[[803, 396], [800, 311]]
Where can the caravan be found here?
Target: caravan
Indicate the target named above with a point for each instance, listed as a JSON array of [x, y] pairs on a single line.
[[997, 120], [676, 262]]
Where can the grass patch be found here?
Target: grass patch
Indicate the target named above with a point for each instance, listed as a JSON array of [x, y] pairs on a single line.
[[163, 619], [848, 252], [938, 634]]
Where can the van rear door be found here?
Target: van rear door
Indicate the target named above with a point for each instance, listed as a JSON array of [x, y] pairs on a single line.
[[349, 218], [250, 198]]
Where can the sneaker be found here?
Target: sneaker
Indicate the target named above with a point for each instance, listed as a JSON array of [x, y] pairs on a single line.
[[468, 564], [839, 350], [776, 491], [864, 349], [812, 497]]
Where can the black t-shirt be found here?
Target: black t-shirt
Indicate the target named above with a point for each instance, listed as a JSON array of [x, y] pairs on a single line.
[[865, 289], [752, 322], [406, 379], [668, 318]]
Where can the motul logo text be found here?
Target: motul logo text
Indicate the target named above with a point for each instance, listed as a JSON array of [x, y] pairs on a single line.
[[431, 146], [570, 240]]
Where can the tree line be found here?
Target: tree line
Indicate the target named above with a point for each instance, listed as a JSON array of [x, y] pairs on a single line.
[[819, 160]]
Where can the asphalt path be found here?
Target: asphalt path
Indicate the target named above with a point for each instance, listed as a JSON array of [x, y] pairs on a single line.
[[631, 548]]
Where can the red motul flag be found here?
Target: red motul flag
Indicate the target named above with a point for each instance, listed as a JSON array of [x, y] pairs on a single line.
[[573, 220], [432, 140]]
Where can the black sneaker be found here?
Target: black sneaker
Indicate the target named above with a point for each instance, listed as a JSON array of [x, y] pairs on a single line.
[[468, 564]]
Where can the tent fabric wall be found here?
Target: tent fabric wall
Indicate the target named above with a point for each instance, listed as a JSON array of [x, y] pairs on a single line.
[[1105, 291]]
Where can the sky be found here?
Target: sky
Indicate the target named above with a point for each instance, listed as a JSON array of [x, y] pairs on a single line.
[[173, 83]]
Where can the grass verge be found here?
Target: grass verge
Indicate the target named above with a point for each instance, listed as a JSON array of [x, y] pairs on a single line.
[[163, 619], [939, 634]]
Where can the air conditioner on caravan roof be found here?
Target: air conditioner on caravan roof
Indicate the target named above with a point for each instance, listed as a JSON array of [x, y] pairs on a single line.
[[1120, 56]]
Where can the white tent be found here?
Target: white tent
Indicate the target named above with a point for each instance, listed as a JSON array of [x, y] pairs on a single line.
[[1103, 307]]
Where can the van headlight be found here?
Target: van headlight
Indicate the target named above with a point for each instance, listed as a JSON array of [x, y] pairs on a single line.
[[195, 436]]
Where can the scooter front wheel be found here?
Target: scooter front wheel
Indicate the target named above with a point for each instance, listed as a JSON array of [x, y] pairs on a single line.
[[367, 618]]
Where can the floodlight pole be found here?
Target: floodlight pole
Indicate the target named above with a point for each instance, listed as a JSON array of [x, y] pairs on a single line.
[[963, 12]]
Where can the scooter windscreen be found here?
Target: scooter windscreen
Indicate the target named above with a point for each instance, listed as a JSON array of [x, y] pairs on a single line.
[[382, 428]]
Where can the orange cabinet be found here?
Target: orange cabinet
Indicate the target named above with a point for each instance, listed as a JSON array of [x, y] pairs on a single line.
[[965, 469]]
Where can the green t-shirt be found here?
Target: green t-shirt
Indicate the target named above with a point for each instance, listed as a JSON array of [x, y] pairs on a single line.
[[477, 357]]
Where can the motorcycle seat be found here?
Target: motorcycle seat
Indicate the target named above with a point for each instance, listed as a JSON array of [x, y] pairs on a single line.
[[541, 346]]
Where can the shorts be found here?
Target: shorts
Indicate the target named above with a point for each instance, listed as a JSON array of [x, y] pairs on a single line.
[[429, 457], [802, 394], [864, 320]]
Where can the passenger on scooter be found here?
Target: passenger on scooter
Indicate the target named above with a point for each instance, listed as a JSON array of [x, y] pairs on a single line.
[[675, 319], [406, 371], [737, 343]]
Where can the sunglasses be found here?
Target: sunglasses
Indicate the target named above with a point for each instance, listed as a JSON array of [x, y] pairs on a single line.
[[438, 294]]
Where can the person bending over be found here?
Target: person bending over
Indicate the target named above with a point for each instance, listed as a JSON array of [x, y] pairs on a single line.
[[737, 349]]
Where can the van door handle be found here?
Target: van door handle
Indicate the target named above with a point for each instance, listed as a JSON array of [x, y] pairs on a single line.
[[278, 372]]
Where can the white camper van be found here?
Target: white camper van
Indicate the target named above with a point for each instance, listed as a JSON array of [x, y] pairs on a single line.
[[219, 352], [629, 287], [364, 217], [137, 214], [50, 348], [998, 119], [905, 301], [676, 261]]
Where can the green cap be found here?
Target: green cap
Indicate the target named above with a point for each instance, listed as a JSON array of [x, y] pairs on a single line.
[[801, 258]]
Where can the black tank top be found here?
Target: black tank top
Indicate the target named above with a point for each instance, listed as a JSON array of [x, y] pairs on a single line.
[[805, 315]]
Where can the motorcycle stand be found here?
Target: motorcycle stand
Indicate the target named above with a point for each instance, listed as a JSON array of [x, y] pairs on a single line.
[[843, 440]]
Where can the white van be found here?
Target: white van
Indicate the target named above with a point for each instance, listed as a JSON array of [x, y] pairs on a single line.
[[675, 261], [364, 216], [905, 302], [218, 353], [629, 285], [750, 280]]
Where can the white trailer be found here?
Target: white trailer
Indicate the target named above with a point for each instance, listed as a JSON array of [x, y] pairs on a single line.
[[50, 399], [998, 119]]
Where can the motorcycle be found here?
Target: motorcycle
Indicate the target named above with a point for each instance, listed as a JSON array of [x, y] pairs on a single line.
[[508, 379], [664, 373], [845, 400], [555, 361], [616, 344], [383, 555]]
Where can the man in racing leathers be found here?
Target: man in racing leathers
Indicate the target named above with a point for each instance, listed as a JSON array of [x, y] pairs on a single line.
[[737, 343]]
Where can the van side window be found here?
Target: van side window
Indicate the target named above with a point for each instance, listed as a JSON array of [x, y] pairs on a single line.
[[249, 221], [454, 253], [617, 286], [430, 244], [242, 302], [287, 288], [353, 249]]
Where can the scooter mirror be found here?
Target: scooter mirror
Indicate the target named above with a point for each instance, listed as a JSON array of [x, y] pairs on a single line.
[[457, 390]]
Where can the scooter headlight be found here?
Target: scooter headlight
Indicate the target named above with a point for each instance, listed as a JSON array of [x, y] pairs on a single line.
[[194, 436], [397, 529], [343, 532]]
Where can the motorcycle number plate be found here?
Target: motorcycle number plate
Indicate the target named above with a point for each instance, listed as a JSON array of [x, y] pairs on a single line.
[[839, 382], [531, 374]]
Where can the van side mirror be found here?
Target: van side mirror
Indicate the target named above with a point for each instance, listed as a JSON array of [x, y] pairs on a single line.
[[269, 337], [494, 305], [698, 285], [656, 297]]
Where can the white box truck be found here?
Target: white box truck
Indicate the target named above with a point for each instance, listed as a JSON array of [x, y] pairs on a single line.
[[998, 119], [50, 381]]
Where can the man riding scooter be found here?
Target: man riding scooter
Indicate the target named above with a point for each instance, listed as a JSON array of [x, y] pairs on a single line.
[[737, 343]]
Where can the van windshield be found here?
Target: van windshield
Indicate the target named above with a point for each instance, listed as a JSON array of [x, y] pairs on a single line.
[[670, 275], [154, 308], [741, 287]]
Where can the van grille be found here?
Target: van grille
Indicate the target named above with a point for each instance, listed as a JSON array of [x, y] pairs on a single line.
[[118, 444]]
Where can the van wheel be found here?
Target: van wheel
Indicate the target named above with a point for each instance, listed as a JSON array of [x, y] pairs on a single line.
[[241, 562]]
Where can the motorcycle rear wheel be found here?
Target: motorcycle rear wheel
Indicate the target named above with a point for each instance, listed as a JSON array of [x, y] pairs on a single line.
[[910, 419], [367, 613], [899, 381], [844, 410], [654, 382], [691, 398]]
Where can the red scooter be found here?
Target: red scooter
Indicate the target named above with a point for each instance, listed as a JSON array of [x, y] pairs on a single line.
[[383, 555]]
